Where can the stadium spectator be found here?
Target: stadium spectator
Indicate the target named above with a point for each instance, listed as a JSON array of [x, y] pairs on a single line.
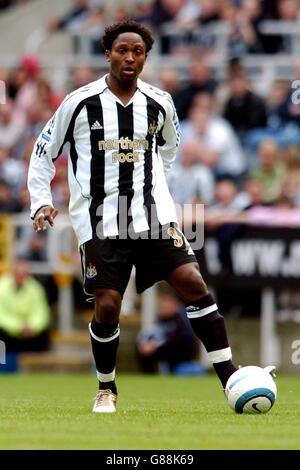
[[290, 157], [23, 84], [169, 80], [9, 3], [84, 19], [191, 180], [24, 310], [12, 124], [227, 196], [244, 109], [279, 93], [221, 148], [4, 75], [28, 245], [288, 10], [60, 195], [168, 343], [189, 13], [37, 117], [199, 80], [234, 68], [46, 96], [283, 213], [82, 75], [11, 170], [5, 3], [230, 13], [289, 110], [271, 171], [72, 20], [143, 11], [254, 191], [164, 11], [24, 199], [228, 201], [28, 144], [177, 21], [8, 199], [209, 11], [220, 218]]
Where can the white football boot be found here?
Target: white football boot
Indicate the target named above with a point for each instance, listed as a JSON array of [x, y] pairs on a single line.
[[105, 402]]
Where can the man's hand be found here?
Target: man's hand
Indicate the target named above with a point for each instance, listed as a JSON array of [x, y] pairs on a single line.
[[44, 213], [147, 347], [27, 333]]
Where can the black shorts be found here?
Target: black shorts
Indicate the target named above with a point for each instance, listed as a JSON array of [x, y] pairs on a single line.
[[108, 263]]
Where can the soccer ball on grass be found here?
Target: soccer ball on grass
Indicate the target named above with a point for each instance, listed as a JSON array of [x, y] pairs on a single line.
[[252, 389]]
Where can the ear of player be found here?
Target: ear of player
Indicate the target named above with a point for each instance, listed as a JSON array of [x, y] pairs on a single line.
[[252, 389]]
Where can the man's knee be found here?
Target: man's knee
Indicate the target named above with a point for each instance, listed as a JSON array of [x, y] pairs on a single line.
[[188, 282], [107, 306], [196, 287]]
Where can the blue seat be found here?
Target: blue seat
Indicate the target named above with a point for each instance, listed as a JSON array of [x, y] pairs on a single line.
[[12, 363], [189, 368], [283, 137]]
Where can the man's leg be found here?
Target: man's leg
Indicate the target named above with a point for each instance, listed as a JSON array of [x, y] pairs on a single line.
[[106, 265], [104, 331], [205, 319]]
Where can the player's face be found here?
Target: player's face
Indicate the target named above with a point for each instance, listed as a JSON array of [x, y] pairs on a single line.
[[127, 56]]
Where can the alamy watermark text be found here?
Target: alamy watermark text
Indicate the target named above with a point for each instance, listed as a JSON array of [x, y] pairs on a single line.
[[2, 92]]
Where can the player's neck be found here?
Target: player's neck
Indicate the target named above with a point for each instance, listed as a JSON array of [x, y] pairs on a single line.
[[123, 90]]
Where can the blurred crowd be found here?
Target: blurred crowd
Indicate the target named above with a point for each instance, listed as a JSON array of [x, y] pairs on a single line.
[[184, 25], [240, 150], [9, 3]]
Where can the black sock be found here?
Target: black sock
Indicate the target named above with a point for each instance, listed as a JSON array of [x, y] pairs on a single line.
[[224, 370], [105, 341], [210, 328], [108, 386]]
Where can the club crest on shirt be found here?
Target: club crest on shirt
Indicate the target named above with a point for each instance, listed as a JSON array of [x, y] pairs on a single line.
[[91, 271], [152, 129]]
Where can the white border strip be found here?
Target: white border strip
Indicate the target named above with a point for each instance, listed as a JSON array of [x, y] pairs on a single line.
[[202, 312], [106, 377], [103, 340], [220, 356]]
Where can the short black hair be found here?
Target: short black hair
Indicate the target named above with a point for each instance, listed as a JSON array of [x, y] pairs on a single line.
[[112, 32]]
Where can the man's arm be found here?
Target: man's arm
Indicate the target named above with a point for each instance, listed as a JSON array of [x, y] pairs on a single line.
[[170, 136], [42, 170]]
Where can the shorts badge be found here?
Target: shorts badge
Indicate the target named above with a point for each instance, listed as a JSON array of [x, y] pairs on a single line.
[[91, 271]]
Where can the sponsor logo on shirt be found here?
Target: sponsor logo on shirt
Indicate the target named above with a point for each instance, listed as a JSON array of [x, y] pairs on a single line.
[[96, 126], [45, 137], [124, 143]]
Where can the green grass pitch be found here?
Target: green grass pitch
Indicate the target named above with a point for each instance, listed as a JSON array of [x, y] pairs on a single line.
[[54, 412]]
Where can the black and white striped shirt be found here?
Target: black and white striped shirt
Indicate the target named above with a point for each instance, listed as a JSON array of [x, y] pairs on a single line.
[[114, 150]]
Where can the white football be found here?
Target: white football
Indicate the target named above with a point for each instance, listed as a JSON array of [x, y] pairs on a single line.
[[251, 389]]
